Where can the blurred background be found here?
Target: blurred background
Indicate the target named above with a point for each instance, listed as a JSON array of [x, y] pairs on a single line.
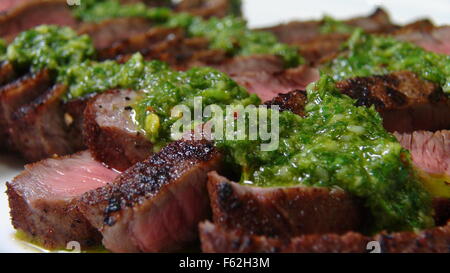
[[262, 13]]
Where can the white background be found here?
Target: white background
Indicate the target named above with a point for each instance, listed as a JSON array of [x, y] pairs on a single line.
[[260, 13]]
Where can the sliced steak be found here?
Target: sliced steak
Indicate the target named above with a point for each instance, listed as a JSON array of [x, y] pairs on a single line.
[[18, 93], [43, 199], [255, 63], [424, 34], [153, 39], [108, 32], [34, 13], [38, 129], [268, 85], [405, 102], [317, 46], [206, 8], [110, 132], [74, 119], [430, 151], [156, 205], [283, 211], [216, 239], [7, 73], [166, 44], [293, 101]]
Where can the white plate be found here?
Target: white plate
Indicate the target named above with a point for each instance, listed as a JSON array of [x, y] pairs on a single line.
[[259, 13]]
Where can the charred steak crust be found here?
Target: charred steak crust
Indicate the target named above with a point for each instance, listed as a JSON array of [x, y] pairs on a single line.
[[157, 204], [17, 94], [405, 102], [38, 128], [293, 101], [43, 228], [216, 239], [282, 212], [110, 133]]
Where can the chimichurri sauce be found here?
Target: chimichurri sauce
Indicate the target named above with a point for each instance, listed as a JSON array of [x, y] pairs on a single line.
[[230, 34], [366, 55], [339, 145], [50, 47], [161, 90], [2, 49]]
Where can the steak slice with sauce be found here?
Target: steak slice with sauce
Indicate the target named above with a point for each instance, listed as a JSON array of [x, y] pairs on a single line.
[[156, 205], [406, 102], [110, 132], [216, 239], [283, 211], [43, 198]]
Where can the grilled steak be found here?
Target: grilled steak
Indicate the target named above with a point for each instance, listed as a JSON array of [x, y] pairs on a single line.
[[317, 46], [282, 212], [268, 85], [17, 94], [430, 151], [426, 35], [111, 134], [156, 205], [293, 101], [74, 119], [405, 102], [42, 199], [205, 8], [34, 13], [38, 128], [108, 32], [216, 239], [7, 73]]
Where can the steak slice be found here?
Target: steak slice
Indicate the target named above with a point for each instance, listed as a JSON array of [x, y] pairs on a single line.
[[38, 129], [156, 205], [104, 34], [426, 35], [406, 102], [216, 239], [294, 101], [268, 85], [151, 40], [430, 151], [18, 93], [205, 8], [317, 46], [110, 132], [34, 13], [43, 198], [7, 73], [282, 211], [74, 119]]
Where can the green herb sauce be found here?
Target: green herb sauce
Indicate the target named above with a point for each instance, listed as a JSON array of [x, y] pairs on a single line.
[[230, 34], [366, 55], [51, 47], [2, 49], [162, 89], [339, 144]]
